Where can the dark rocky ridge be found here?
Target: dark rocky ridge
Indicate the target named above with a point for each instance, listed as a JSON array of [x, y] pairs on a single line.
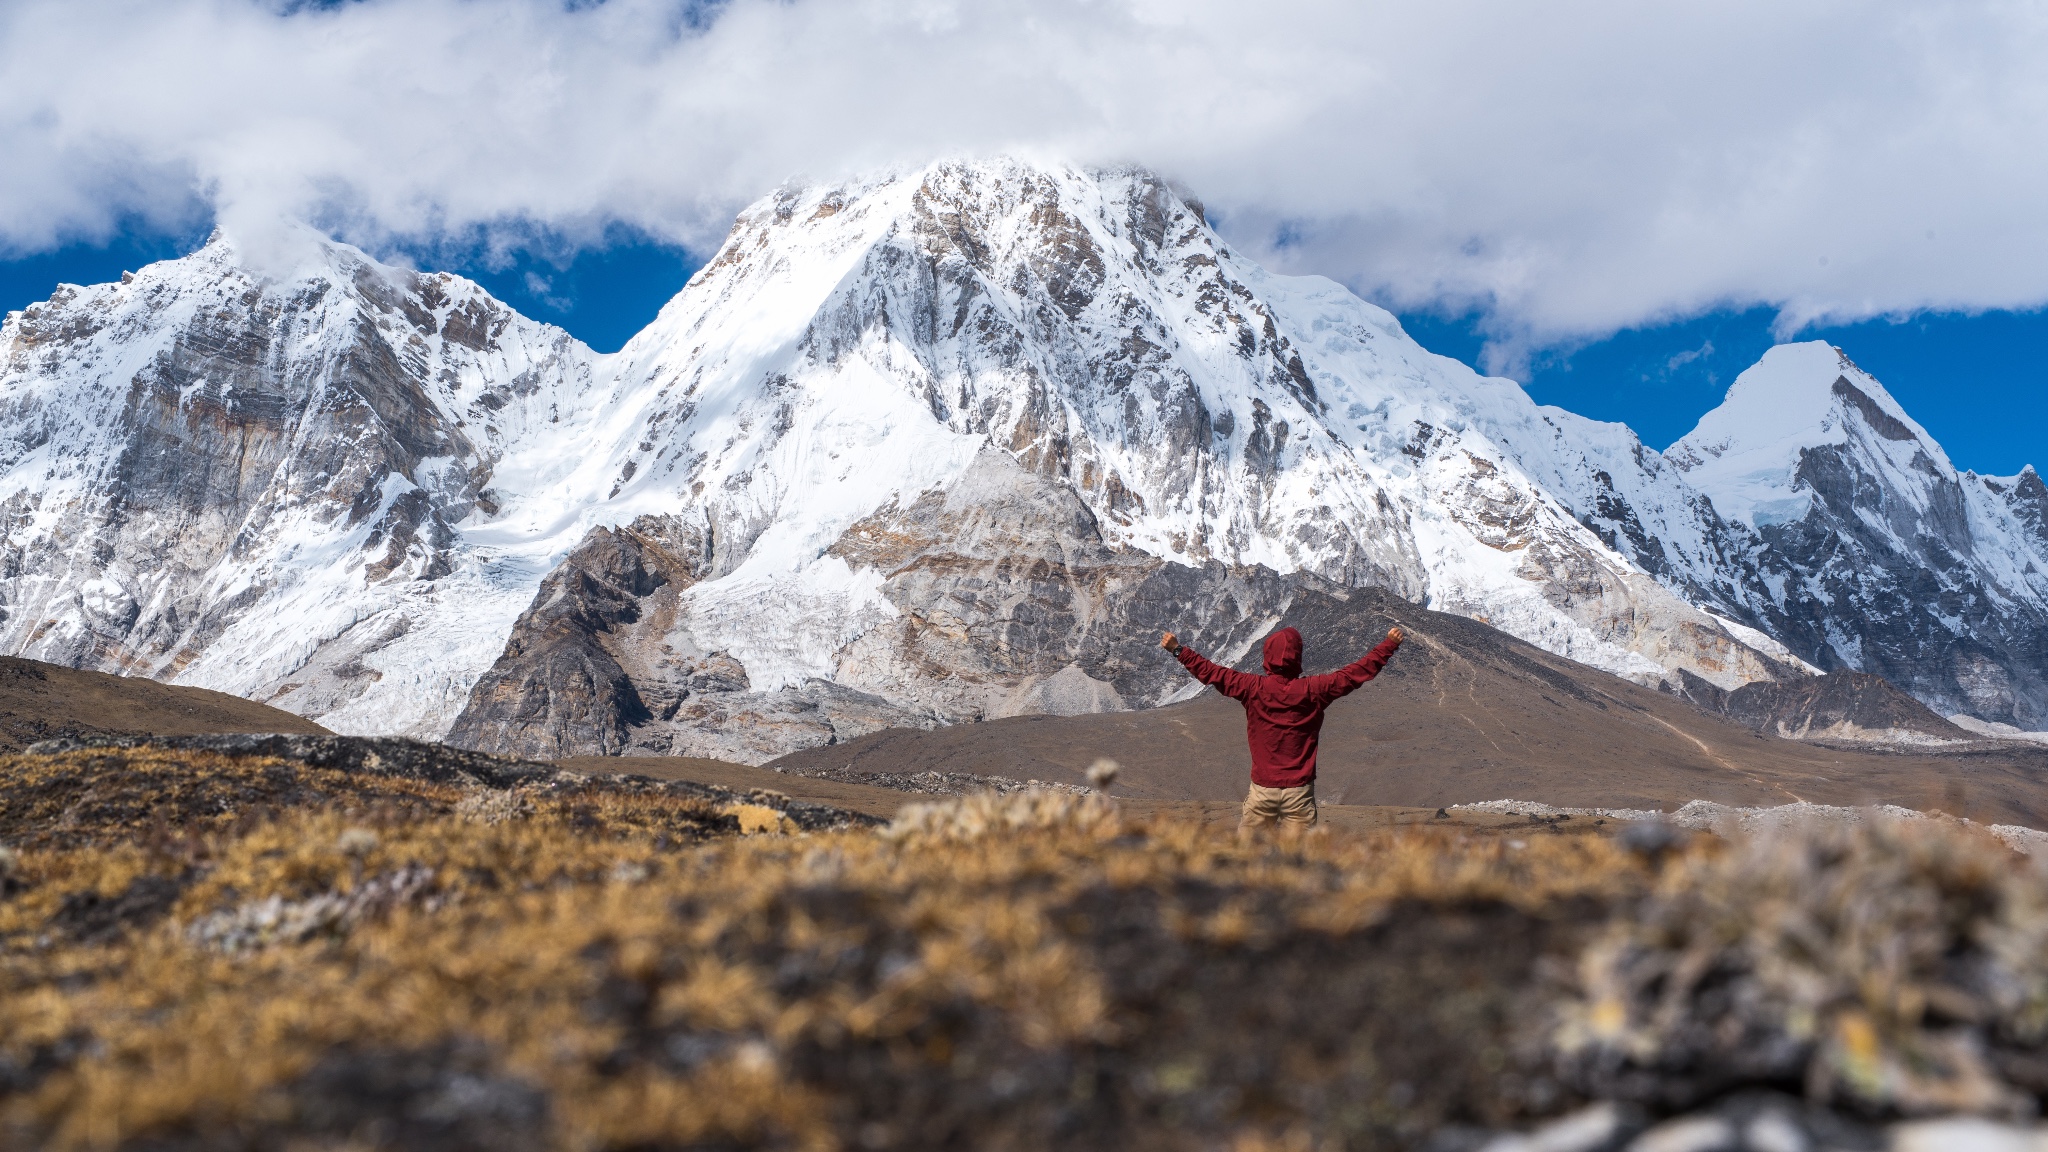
[[592, 668], [1841, 705]]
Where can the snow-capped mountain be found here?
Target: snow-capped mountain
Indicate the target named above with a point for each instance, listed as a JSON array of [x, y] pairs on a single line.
[[257, 483], [808, 413], [1870, 550], [928, 447]]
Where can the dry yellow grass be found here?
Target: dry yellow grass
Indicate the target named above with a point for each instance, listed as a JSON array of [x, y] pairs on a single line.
[[371, 963]]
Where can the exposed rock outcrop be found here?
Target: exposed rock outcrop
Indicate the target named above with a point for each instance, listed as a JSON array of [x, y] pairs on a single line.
[[597, 667], [558, 690]]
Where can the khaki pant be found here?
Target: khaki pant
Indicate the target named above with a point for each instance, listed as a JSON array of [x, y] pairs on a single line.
[[1290, 808]]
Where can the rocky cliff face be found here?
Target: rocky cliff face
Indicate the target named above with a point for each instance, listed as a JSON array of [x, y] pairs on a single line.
[[948, 444], [1004, 601], [1869, 550], [599, 666]]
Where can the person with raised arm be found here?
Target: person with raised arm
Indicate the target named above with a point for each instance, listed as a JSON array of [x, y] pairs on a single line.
[[1283, 720]]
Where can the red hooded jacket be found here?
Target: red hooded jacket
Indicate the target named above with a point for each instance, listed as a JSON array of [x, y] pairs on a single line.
[[1283, 710]]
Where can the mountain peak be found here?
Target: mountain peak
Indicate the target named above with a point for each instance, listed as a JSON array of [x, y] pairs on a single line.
[[1746, 452], [1874, 553], [285, 252]]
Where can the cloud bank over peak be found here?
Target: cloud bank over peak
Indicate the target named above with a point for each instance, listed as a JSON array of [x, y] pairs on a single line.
[[1574, 168]]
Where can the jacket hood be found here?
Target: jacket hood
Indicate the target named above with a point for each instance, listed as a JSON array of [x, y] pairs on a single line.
[[1283, 653]]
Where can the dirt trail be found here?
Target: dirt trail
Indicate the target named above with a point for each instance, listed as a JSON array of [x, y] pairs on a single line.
[[1708, 751]]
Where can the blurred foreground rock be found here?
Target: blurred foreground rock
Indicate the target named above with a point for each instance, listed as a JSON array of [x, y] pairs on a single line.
[[1748, 1123]]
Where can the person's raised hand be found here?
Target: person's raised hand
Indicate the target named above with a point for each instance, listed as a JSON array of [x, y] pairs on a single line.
[[1396, 635], [1170, 642]]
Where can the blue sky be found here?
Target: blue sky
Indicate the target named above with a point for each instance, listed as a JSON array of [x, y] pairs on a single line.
[[1979, 382], [602, 293]]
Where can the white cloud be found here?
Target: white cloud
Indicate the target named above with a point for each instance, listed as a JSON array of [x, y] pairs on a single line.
[[1681, 359], [1579, 166]]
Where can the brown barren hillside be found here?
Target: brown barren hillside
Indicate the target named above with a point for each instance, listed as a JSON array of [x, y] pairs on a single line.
[[1465, 713], [41, 701]]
